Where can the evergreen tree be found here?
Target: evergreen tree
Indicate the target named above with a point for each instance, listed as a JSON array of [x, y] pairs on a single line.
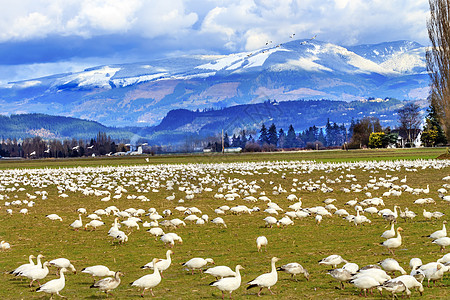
[[291, 138], [281, 138], [329, 137], [272, 135], [263, 135], [432, 131], [350, 129], [321, 137], [226, 140], [243, 139]]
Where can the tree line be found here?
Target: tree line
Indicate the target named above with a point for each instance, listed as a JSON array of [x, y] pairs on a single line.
[[362, 133], [37, 147]]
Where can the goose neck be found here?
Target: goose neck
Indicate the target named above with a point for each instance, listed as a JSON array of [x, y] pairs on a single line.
[[274, 269]]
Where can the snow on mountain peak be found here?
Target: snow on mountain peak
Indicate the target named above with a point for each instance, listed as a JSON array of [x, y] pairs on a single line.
[[97, 77]]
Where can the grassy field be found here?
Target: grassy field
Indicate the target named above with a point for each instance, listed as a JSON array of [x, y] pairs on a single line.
[[305, 242]]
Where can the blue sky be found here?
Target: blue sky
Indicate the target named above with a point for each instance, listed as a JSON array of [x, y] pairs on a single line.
[[44, 37]]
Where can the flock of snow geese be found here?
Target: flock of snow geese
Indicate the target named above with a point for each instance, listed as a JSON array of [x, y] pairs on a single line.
[[226, 182]]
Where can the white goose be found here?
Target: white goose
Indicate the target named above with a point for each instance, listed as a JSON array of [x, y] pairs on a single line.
[[197, 263], [341, 275], [333, 260], [294, 269], [23, 267], [162, 264], [54, 286], [148, 281], [98, 271], [393, 243], [261, 241], [442, 242], [410, 282], [94, 224], [220, 272], [364, 283], [266, 280], [389, 233], [77, 223], [63, 263], [108, 284], [439, 233], [54, 217], [229, 284], [444, 259], [391, 265], [395, 287], [36, 273]]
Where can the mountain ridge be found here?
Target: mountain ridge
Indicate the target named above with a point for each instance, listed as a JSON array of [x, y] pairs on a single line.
[[141, 94]]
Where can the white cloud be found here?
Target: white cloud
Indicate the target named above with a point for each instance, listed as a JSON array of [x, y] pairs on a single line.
[[237, 21], [205, 26], [30, 19]]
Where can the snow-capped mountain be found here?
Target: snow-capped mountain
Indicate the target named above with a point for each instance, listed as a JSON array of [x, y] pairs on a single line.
[[143, 93]]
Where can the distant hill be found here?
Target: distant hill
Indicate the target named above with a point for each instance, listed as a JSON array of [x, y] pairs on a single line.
[[55, 127], [141, 94], [181, 125]]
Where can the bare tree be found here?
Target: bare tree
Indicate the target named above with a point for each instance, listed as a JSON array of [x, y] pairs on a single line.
[[410, 119], [438, 60]]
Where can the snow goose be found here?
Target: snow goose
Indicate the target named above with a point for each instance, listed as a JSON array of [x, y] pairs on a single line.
[[94, 224], [108, 284], [270, 221], [36, 273], [364, 283], [63, 263], [220, 272], [148, 281], [410, 282], [24, 266], [414, 263], [391, 265], [426, 214], [433, 271], [341, 275], [130, 223], [439, 233], [156, 231], [162, 264], [54, 286], [351, 267], [229, 284], [377, 274], [5, 245], [261, 241], [395, 287], [393, 243], [333, 260], [294, 269], [197, 263], [389, 233], [444, 259], [219, 221], [98, 271], [54, 217], [265, 280], [285, 221], [77, 223], [442, 242]]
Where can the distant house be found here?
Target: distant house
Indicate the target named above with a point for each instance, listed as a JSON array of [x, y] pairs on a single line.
[[403, 141], [233, 150]]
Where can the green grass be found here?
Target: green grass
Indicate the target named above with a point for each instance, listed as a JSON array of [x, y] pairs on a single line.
[[305, 242]]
